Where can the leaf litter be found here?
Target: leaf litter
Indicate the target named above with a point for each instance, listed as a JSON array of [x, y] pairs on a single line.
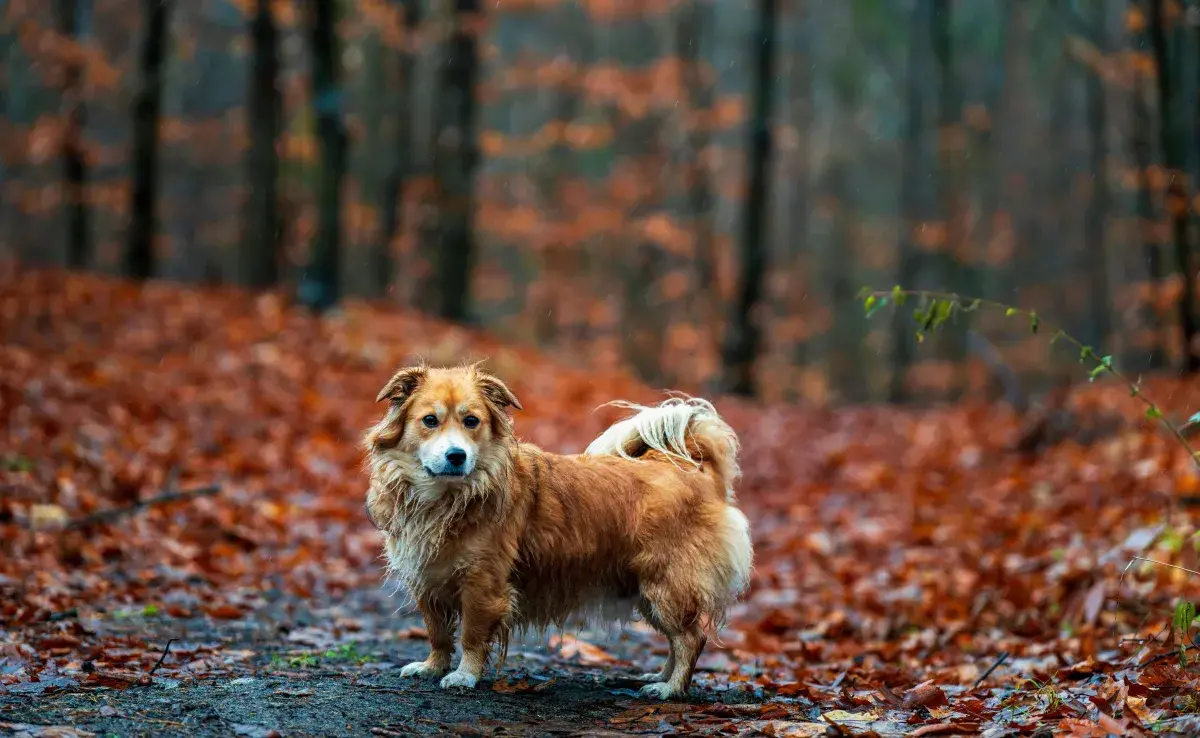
[[915, 574]]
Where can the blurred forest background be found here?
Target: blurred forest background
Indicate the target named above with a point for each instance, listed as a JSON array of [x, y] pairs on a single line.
[[693, 189]]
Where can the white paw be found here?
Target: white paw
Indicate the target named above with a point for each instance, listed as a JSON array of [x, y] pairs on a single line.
[[658, 691], [421, 669], [651, 676], [459, 679]]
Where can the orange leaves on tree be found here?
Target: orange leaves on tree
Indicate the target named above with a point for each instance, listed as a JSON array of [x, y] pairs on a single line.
[[1135, 19]]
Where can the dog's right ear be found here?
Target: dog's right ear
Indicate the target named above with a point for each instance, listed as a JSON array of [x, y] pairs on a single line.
[[403, 383]]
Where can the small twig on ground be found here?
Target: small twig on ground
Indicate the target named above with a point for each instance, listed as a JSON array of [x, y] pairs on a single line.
[[1003, 657], [1160, 563], [166, 650], [107, 516], [389, 690], [1173, 652]]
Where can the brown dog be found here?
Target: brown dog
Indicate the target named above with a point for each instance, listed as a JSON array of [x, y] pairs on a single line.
[[498, 534]]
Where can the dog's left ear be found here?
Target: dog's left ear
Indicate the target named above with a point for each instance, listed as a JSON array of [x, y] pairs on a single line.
[[496, 391], [403, 383]]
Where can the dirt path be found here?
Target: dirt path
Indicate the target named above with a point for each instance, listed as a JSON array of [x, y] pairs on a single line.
[[292, 670]]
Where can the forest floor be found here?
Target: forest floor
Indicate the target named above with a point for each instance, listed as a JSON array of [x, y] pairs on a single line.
[[181, 466]]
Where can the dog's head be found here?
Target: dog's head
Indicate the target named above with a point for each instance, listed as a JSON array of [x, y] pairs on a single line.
[[447, 420]]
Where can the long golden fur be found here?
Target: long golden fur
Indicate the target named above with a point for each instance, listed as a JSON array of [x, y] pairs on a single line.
[[494, 534]]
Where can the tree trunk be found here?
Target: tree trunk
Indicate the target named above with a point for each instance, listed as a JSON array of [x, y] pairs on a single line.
[[79, 250], [1178, 202], [147, 110], [1155, 358], [740, 351], [399, 168], [320, 285], [952, 185], [914, 204], [1095, 248], [454, 166], [259, 255]]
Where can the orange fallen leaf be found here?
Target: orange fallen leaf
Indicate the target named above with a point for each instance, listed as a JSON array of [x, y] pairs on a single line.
[[570, 647]]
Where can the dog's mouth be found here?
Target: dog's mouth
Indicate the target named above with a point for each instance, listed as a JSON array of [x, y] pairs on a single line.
[[451, 474]]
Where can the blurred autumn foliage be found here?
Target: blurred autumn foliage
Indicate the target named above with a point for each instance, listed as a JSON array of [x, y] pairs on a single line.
[[690, 189]]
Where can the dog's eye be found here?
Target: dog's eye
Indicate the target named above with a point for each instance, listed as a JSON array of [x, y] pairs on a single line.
[[430, 421], [471, 422]]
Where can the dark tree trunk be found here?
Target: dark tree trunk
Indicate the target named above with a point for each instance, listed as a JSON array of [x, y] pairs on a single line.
[[320, 285], [399, 168], [454, 167], [1178, 204], [951, 186], [147, 111], [1146, 219], [259, 255], [740, 351], [67, 14], [913, 202], [1096, 253]]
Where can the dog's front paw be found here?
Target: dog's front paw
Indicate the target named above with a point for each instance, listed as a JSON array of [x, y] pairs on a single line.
[[659, 691], [422, 669], [459, 679]]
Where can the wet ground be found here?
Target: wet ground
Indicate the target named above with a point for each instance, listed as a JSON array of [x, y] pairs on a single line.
[[290, 670]]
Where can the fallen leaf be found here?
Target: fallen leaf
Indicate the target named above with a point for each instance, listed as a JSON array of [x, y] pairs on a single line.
[[572, 648], [925, 694], [504, 686], [940, 728], [224, 612], [842, 716]]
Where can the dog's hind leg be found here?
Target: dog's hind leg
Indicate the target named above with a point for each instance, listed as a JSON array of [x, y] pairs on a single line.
[[678, 618], [647, 611]]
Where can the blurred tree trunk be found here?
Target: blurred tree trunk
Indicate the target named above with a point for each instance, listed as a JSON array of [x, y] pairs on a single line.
[[398, 171], [1095, 246], [704, 302], [916, 208], [740, 351], [147, 111], [67, 15], [454, 160], [952, 189], [991, 155], [259, 255], [1142, 148], [1178, 202], [319, 287]]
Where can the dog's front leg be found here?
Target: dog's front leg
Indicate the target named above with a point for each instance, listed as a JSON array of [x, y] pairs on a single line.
[[486, 605], [440, 617]]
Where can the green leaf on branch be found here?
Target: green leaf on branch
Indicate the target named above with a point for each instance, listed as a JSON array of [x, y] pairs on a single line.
[[1153, 413], [873, 305], [1033, 322], [898, 296]]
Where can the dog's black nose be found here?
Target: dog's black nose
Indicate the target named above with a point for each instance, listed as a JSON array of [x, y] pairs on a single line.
[[456, 456]]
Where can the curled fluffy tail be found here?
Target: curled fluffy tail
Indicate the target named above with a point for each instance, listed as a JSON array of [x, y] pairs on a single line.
[[683, 429]]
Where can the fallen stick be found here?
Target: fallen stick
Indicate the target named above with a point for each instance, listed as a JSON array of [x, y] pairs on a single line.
[[146, 680], [988, 673], [107, 516], [166, 650]]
